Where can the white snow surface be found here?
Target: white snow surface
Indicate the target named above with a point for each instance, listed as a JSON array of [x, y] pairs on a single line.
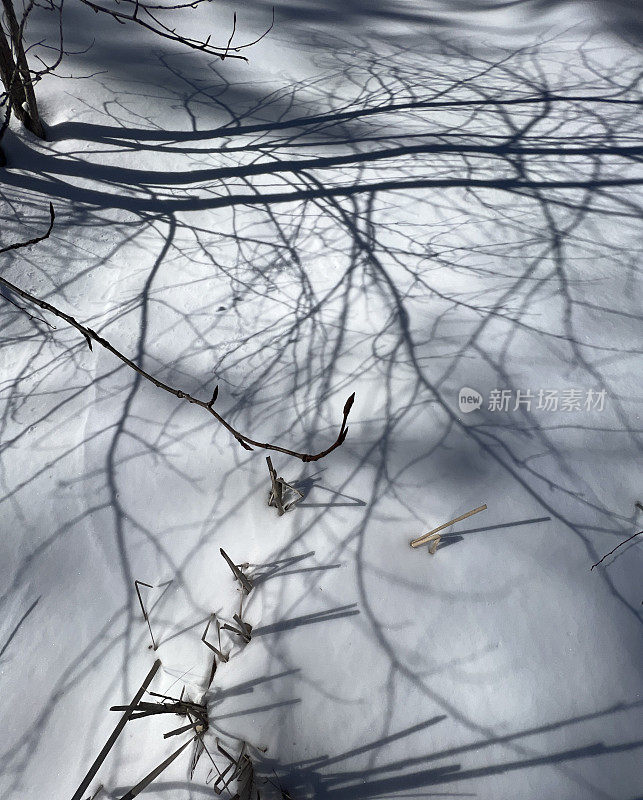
[[399, 200]]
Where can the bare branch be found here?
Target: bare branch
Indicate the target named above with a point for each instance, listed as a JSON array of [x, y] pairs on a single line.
[[90, 335], [159, 28], [18, 245], [615, 549]]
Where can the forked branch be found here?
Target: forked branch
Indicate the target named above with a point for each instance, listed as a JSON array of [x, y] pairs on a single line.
[[90, 335]]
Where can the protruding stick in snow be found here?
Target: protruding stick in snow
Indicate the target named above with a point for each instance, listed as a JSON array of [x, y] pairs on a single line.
[[145, 615], [425, 538], [217, 652], [116, 732], [245, 582], [135, 790], [279, 489], [275, 496]]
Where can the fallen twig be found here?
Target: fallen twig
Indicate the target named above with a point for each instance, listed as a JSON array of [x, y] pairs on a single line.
[[615, 549], [425, 538]]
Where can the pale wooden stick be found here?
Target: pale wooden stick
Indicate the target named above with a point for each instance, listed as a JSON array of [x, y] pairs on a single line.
[[425, 538]]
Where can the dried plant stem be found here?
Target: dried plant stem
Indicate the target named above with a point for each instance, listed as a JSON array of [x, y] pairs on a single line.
[[145, 615], [246, 583], [135, 790], [115, 733], [425, 538], [276, 486]]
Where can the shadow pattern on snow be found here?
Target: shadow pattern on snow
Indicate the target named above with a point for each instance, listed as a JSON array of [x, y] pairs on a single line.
[[514, 175]]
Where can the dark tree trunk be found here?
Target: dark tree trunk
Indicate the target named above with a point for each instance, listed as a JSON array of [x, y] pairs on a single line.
[[14, 71]]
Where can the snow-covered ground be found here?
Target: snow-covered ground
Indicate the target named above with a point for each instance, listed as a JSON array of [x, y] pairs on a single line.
[[400, 200]]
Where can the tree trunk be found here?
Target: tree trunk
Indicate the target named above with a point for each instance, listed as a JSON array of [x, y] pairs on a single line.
[[14, 71]]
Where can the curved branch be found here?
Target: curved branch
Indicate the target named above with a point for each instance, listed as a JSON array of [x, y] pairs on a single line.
[[614, 550], [91, 336]]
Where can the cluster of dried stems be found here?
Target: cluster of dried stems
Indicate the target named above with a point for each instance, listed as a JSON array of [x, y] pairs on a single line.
[[240, 770]]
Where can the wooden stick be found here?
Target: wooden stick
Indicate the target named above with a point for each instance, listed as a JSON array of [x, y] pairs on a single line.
[[116, 732], [135, 790], [425, 538], [182, 729]]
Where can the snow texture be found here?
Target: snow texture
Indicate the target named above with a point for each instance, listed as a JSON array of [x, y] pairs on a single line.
[[399, 199]]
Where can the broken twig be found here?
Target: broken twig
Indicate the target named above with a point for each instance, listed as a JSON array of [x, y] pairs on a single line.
[[245, 582], [425, 538], [275, 497], [145, 616]]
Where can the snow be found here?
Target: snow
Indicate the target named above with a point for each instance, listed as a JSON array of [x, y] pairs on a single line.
[[427, 243]]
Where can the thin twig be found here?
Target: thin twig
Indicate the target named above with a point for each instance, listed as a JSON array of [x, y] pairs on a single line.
[[18, 245], [616, 548], [145, 615]]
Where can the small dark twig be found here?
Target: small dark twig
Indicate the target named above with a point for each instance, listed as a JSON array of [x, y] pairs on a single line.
[[18, 245], [145, 615], [182, 729], [234, 28], [615, 549]]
